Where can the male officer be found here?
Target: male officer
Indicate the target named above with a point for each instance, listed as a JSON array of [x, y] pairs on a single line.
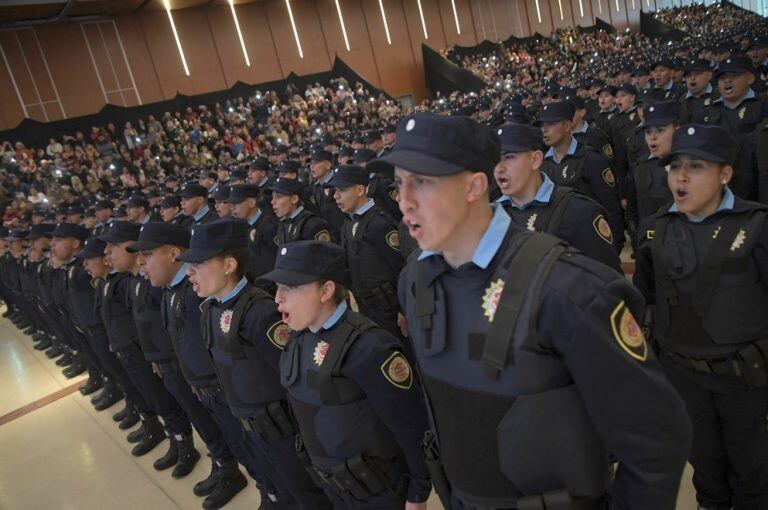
[[556, 382], [380, 183], [321, 196], [296, 222], [221, 199], [662, 72], [103, 213], [170, 211], [137, 208], [194, 204], [569, 163], [258, 174], [589, 136], [698, 81], [371, 241], [262, 237], [534, 202]]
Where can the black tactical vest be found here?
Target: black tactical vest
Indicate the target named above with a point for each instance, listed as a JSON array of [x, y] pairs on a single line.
[[117, 318], [80, 297], [651, 187], [153, 338]]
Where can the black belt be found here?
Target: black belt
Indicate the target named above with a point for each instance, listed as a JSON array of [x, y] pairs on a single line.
[[723, 366], [554, 500], [210, 391]]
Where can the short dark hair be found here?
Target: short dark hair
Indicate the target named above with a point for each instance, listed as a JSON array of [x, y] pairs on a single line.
[[339, 294], [241, 256]]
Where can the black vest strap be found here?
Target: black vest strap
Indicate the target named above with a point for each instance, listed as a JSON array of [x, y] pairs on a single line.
[[425, 305], [663, 281], [330, 386], [557, 206], [521, 267]]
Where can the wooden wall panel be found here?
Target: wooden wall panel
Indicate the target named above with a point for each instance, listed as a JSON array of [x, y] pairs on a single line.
[[139, 58]]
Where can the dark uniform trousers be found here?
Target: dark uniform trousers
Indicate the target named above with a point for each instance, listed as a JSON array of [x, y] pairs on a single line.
[[97, 337]]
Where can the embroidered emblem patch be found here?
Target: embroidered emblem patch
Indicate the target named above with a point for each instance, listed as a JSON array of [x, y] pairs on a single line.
[[354, 228], [279, 334], [603, 229], [739, 240], [71, 272], [106, 289], [707, 102], [742, 111], [323, 235], [627, 332], [321, 349], [608, 150], [608, 177], [393, 240], [138, 286], [225, 321], [491, 298], [531, 222], [716, 232], [564, 173], [397, 371], [253, 235]]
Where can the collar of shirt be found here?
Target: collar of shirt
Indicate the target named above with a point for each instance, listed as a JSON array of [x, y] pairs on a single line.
[[296, 212], [253, 219], [263, 182], [543, 195], [325, 179], [583, 128], [212, 187], [232, 293], [570, 152], [145, 220], [180, 275], [202, 212], [490, 242], [707, 92], [71, 261], [726, 204], [365, 207], [335, 316], [749, 95], [669, 85]]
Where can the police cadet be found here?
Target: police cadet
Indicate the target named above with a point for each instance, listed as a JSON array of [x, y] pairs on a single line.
[[170, 211], [622, 125], [534, 202], [354, 396], [583, 132], [371, 241], [646, 187], [194, 203], [262, 236], [44, 338], [114, 306], [528, 404], [702, 264], [700, 93], [103, 210], [30, 284], [245, 336], [569, 163], [221, 198], [322, 197], [380, 182], [739, 110], [190, 371], [258, 174], [662, 73], [137, 208], [296, 222]]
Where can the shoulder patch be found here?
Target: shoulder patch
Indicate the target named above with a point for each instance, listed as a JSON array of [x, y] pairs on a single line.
[[323, 235], [608, 150], [603, 229], [397, 371], [628, 333], [279, 334], [393, 240], [608, 177]]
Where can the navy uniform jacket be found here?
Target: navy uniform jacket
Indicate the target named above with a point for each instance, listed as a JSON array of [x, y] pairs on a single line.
[[695, 108], [622, 126], [596, 139], [306, 226], [380, 190], [647, 190], [388, 410], [512, 434], [581, 224], [209, 216], [262, 245], [590, 173], [328, 210], [81, 295]]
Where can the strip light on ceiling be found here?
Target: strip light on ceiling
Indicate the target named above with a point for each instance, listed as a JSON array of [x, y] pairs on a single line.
[[423, 23], [239, 33], [538, 11], [384, 20], [456, 16], [581, 9], [618, 9], [176, 36], [293, 26], [600, 6], [560, 5], [343, 27]]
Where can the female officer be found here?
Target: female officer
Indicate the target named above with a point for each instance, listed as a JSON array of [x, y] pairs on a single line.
[[703, 264], [245, 336], [352, 391]]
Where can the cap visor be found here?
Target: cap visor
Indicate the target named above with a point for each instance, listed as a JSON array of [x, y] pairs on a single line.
[[82, 255], [701, 154], [341, 183], [112, 239], [195, 255], [515, 148], [664, 121], [541, 120], [142, 246], [291, 278], [237, 200], [420, 163]]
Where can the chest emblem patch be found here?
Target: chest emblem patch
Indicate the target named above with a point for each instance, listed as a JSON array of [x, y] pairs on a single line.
[[627, 332], [321, 349], [71, 272], [564, 173], [608, 177], [225, 321], [491, 298], [106, 289], [354, 228], [253, 235], [739, 240], [138, 287], [531, 222], [742, 111]]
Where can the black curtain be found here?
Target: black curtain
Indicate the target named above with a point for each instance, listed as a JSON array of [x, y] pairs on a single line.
[[36, 134], [655, 29], [443, 76]]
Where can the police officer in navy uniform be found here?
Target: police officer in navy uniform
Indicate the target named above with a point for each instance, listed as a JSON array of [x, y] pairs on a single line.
[[380, 182], [586, 134], [115, 307], [262, 236], [569, 163], [245, 337], [739, 110], [534, 365], [295, 222], [356, 400], [700, 93], [534, 202], [170, 211], [662, 72], [647, 188], [371, 241], [194, 204], [702, 264], [103, 213], [320, 167], [258, 174]]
